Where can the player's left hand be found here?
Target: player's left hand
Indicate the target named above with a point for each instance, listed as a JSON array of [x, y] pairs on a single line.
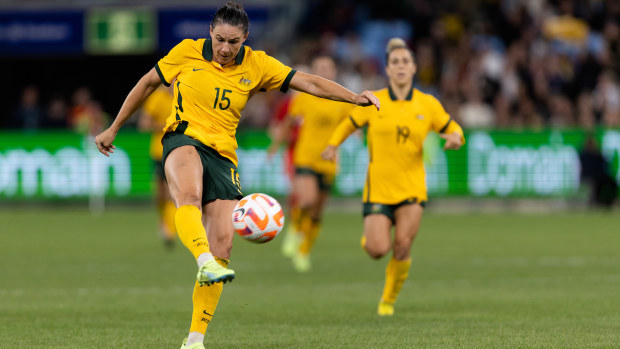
[[367, 98], [453, 140], [330, 153]]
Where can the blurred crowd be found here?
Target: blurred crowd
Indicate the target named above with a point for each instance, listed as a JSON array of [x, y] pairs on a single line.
[[82, 113], [492, 63]]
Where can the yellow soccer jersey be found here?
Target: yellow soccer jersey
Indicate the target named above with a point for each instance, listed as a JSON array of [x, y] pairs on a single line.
[[319, 117], [395, 137], [209, 97], [158, 106]]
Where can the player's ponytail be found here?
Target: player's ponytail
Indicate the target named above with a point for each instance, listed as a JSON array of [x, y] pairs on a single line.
[[232, 14], [394, 44]]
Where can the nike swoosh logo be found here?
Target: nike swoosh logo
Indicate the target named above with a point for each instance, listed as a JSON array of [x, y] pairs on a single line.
[[205, 312], [197, 69], [196, 239]]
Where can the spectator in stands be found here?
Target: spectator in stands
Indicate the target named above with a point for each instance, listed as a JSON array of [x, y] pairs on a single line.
[[28, 115], [56, 115], [80, 100], [474, 113], [91, 119]]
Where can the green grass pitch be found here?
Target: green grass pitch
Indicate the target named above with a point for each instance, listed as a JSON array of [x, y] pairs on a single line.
[[72, 280]]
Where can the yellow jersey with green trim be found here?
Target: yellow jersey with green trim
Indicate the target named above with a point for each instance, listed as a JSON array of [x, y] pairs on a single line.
[[395, 136], [318, 118], [158, 107], [209, 97]]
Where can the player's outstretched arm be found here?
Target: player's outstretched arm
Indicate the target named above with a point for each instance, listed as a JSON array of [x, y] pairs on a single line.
[[453, 140], [320, 87], [147, 84]]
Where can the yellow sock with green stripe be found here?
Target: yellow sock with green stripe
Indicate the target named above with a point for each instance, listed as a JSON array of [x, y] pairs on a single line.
[[205, 300], [395, 275], [192, 234]]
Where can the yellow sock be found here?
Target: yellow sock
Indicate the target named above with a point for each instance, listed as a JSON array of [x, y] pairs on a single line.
[[188, 220], [311, 229], [395, 275], [205, 301], [161, 206], [301, 217], [295, 213], [363, 242], [168, 217]]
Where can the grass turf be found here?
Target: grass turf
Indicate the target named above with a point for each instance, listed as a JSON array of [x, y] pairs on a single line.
[[72, 280]]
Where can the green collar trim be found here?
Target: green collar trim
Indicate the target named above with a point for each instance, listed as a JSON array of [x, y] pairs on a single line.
[[240, 55], [207, 52], [393, 96]]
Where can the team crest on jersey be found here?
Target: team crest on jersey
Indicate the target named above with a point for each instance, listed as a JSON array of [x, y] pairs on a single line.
[[420, 117], [245, 81]]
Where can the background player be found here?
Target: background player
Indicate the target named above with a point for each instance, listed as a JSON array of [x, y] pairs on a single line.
[[153, 117], [214, 80], [314, 177], [395, 189]]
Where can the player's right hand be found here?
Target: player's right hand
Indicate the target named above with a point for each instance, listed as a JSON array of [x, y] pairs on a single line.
[[104, 141], [329, 153], [367, 98]]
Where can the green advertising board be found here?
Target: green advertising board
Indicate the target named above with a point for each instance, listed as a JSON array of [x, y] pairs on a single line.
[[57, 165], [68, 165]]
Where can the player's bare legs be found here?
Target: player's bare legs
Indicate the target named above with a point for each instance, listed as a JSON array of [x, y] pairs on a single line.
[[306, 188], [183, 169], [218, 223], [408, 218], [377, 240], [311, 228], [184, 175]]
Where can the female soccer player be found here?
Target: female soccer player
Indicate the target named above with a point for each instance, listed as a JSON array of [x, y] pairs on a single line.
[[314, 176], [213, 80], [395, 189]]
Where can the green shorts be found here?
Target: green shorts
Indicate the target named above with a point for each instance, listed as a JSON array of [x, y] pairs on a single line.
[[220, 179], [326, 181], [388, 210]]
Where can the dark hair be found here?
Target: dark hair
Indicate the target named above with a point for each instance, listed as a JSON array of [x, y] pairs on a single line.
[[232, 14]]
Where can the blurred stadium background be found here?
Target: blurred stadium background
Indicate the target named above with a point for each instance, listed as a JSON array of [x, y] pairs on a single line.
[[530, 81], [534, 83]]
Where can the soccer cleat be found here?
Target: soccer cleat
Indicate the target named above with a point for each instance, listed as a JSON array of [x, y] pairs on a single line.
[[196, 345], [290, 244], [385, 309], [212, 272], [301, 262]]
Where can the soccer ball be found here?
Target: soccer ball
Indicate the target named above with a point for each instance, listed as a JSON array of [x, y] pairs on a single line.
[[258, 218]]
